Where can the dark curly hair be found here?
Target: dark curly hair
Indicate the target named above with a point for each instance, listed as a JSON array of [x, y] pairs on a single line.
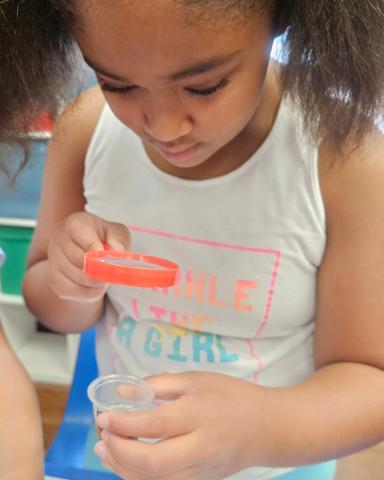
[[334, 52], [335, 71], [36, 52]]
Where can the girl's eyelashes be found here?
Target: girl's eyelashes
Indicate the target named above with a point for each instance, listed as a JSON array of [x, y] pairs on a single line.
[[106, 87], [207, 92], [201, 92]]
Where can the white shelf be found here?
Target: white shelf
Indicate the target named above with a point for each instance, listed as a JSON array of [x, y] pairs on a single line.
[[37, 135], [17, 222], [48, 357], [7, 299]]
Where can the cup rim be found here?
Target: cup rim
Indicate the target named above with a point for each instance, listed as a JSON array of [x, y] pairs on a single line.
[[129, 379]]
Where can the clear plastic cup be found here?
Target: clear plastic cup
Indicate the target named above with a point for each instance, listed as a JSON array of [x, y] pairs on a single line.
[[119, 392]]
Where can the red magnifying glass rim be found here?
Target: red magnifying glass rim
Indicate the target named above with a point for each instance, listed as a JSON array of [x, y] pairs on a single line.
[[160, 273]]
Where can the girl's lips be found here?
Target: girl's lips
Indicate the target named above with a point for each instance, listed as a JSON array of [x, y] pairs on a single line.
[[177, 153]]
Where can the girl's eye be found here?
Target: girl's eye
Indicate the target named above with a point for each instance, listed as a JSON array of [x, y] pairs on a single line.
[[207, 92], [106, 87], [203, 92]]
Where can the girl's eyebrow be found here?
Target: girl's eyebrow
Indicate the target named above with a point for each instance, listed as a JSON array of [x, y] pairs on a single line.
[[204, 66], [190, 71]]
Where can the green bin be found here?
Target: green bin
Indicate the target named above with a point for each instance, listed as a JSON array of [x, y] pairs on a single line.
[[14, 240]]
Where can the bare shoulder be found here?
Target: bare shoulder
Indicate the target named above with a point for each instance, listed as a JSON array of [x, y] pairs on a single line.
[[80, 118], [349, 316], [352, 180]]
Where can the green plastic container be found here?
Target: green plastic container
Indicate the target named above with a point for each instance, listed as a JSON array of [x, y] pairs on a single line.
[[14, 240]]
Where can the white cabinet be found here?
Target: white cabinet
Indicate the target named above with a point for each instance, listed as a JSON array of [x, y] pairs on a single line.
[[48, 357]]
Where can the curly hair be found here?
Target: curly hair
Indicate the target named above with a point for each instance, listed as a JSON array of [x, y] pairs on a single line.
[[334, 53], [36, 64], [335, 65]]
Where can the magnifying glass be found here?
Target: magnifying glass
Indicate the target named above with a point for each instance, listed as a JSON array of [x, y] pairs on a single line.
[[130, 268]]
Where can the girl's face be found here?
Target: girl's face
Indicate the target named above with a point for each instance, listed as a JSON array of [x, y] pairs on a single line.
[[190, 90]]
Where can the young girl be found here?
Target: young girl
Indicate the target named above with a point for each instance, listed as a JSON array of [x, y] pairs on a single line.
[[264, 183]]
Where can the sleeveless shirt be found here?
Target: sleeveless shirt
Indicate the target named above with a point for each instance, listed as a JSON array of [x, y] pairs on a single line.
[[248, 243]]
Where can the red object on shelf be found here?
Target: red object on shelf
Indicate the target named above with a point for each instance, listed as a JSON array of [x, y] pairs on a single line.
[[43, 123]]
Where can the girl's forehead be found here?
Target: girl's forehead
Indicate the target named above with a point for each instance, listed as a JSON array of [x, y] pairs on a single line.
[[200, 14], [128, 34], [134, 21]]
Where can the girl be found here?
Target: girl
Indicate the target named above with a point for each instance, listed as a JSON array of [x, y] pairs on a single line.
[[264, 183]]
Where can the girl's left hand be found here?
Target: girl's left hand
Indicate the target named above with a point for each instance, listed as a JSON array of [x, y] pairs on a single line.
[[211, 426]]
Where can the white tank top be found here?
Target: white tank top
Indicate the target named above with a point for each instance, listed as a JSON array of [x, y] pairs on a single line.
[[248, 243]]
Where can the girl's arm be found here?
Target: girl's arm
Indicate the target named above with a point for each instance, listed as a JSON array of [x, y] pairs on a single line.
[[55, 288], [231, 424], [21, 441]]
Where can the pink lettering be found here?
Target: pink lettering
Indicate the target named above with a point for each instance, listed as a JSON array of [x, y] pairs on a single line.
[[198, 321], [241, 295], [212, 293], [158, 312], [195, 286], [135, 309], [181, 320]]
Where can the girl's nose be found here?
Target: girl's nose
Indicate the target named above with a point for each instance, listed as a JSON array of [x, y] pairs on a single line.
[[166, 122]]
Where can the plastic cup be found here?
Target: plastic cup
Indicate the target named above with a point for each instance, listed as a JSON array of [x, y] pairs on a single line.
[[119, 393]]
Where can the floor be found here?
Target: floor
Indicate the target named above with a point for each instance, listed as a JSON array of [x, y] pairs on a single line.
[[52, 400], [367, 465]]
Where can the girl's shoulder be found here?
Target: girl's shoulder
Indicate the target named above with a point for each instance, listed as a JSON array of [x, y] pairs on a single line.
[[352, 180], [79, 119]]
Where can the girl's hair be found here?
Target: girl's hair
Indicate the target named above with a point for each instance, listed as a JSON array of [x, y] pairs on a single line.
[[36, 63], [334, 51], [335, 65]]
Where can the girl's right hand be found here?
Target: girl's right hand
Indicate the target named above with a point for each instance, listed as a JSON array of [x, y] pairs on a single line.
[[79, 233]]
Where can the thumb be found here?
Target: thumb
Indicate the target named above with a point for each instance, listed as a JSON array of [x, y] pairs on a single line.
[[116, 235]]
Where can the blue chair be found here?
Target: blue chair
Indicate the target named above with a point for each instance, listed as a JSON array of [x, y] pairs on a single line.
[[321, 471], [71, 453]]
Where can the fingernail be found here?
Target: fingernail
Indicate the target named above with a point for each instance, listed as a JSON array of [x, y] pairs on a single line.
[[102, 422], [118, 246], [100, 449]]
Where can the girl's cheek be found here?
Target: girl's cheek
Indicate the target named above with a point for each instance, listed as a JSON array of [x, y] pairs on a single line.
[[127, 114]]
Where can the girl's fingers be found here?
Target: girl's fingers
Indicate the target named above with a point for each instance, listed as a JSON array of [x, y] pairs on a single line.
[[116, 236], [170, 386], [71, 250], [129, 474], [67, 290], [60, 262], [90, 233], [189, 473], [164, 421], [81, 229], [166, 459]]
